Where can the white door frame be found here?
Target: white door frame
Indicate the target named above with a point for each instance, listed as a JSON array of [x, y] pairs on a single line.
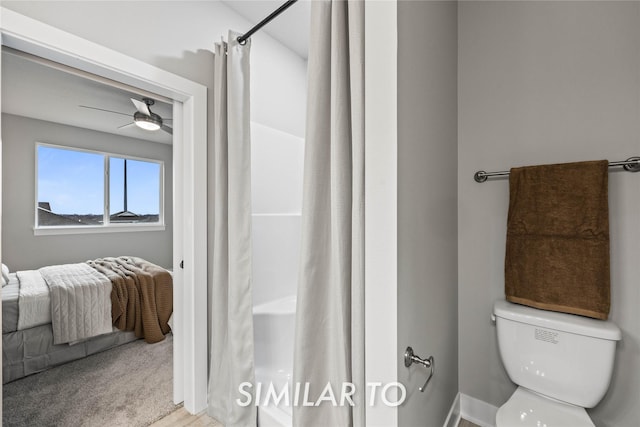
[[190, 180], [382, 359]]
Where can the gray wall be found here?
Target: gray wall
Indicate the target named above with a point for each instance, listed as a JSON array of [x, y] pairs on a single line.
[[546, 82], [427, 205], [21, 249]]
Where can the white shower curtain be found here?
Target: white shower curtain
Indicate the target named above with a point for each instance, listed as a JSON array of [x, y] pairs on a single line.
[[231, 340], [329, 346]]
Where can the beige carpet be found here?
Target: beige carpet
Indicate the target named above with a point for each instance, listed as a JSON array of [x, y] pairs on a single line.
[[130, 385]]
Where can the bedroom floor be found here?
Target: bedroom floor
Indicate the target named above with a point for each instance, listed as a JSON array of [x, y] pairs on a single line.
[[129, 385]]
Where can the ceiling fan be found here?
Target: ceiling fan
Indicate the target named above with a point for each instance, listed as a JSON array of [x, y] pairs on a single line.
[[143, 117]]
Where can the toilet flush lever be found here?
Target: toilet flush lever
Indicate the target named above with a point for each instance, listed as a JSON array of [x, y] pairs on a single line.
[[429, 362]]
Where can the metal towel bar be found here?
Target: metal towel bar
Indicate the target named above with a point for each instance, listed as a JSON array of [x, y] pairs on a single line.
[[632, 164]]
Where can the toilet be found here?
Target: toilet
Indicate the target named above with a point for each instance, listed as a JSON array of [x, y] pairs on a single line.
[[562, 364]]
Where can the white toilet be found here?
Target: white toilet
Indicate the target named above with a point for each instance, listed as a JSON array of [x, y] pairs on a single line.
[[562, 364]]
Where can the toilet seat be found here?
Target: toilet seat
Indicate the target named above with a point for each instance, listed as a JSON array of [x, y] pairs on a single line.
[[526, 408]]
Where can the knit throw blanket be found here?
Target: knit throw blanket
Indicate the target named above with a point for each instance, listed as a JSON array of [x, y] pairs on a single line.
[[79, 302], [142, 295]]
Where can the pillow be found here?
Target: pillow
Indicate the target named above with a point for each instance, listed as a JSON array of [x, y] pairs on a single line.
[[5, 274]]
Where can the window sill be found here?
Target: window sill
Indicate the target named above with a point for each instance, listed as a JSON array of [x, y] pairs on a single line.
[[121, 228]]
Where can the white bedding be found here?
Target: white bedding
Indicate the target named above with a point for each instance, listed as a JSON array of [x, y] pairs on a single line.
[[80, 302], [34, 301]]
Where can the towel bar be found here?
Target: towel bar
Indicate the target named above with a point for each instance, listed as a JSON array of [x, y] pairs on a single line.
[[632, 164]]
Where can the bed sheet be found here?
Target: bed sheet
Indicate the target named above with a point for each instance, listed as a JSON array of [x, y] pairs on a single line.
[[10, 304]]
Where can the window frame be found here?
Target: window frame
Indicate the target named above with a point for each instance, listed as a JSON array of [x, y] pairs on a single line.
[[107, 226]]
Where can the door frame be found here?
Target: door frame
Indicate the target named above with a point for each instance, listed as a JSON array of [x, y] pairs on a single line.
[[189, 180]]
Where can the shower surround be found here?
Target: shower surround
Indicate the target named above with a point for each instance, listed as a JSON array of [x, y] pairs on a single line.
[[276, 169]]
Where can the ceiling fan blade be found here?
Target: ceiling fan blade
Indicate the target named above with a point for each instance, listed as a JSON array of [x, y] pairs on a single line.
[[127, 125], [167, 129], [141, 107], [102, 109]]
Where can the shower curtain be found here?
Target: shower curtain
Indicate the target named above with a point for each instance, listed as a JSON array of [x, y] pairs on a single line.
[[329, 341], [231, 339]]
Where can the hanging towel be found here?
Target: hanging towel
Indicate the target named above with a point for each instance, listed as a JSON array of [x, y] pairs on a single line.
[[557, 255]]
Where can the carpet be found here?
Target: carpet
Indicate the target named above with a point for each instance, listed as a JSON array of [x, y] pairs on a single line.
[[130, 385]]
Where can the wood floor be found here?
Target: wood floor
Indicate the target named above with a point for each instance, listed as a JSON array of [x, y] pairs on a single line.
[[181, 418], [465, 423]]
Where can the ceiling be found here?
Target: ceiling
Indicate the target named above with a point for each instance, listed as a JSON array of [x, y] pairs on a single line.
[[37, 89], [291, 28], [32, 89]]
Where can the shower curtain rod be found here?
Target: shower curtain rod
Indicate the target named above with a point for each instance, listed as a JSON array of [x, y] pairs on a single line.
[[632, 164], [243, 38]]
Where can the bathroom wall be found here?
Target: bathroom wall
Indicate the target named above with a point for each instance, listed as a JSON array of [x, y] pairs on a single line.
[[545, 82], [427, 204]]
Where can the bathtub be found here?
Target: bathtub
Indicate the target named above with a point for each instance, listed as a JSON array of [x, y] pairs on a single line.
[[274, 328]]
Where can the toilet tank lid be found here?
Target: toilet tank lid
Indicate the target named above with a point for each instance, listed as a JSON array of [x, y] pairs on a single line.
[[570, 323]]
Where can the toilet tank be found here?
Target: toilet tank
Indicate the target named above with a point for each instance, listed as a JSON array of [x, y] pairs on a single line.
[[562, 356]]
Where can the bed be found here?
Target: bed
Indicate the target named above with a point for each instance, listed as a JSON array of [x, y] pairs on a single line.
[[61, 313]]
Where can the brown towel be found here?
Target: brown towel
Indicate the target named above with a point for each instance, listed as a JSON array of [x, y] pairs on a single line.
[[557, 255]]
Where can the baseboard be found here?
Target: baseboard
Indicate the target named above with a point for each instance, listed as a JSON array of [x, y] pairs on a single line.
[[453, 419], [477, 411]]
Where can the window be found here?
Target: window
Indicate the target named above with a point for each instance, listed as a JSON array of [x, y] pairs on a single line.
[[79, 189], [134, 190]]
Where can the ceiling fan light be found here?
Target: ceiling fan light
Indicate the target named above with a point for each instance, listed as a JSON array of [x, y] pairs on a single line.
[[146, 122]]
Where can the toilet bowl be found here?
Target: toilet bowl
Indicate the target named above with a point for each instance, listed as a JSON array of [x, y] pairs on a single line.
[[561, 362], [526, 408]]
